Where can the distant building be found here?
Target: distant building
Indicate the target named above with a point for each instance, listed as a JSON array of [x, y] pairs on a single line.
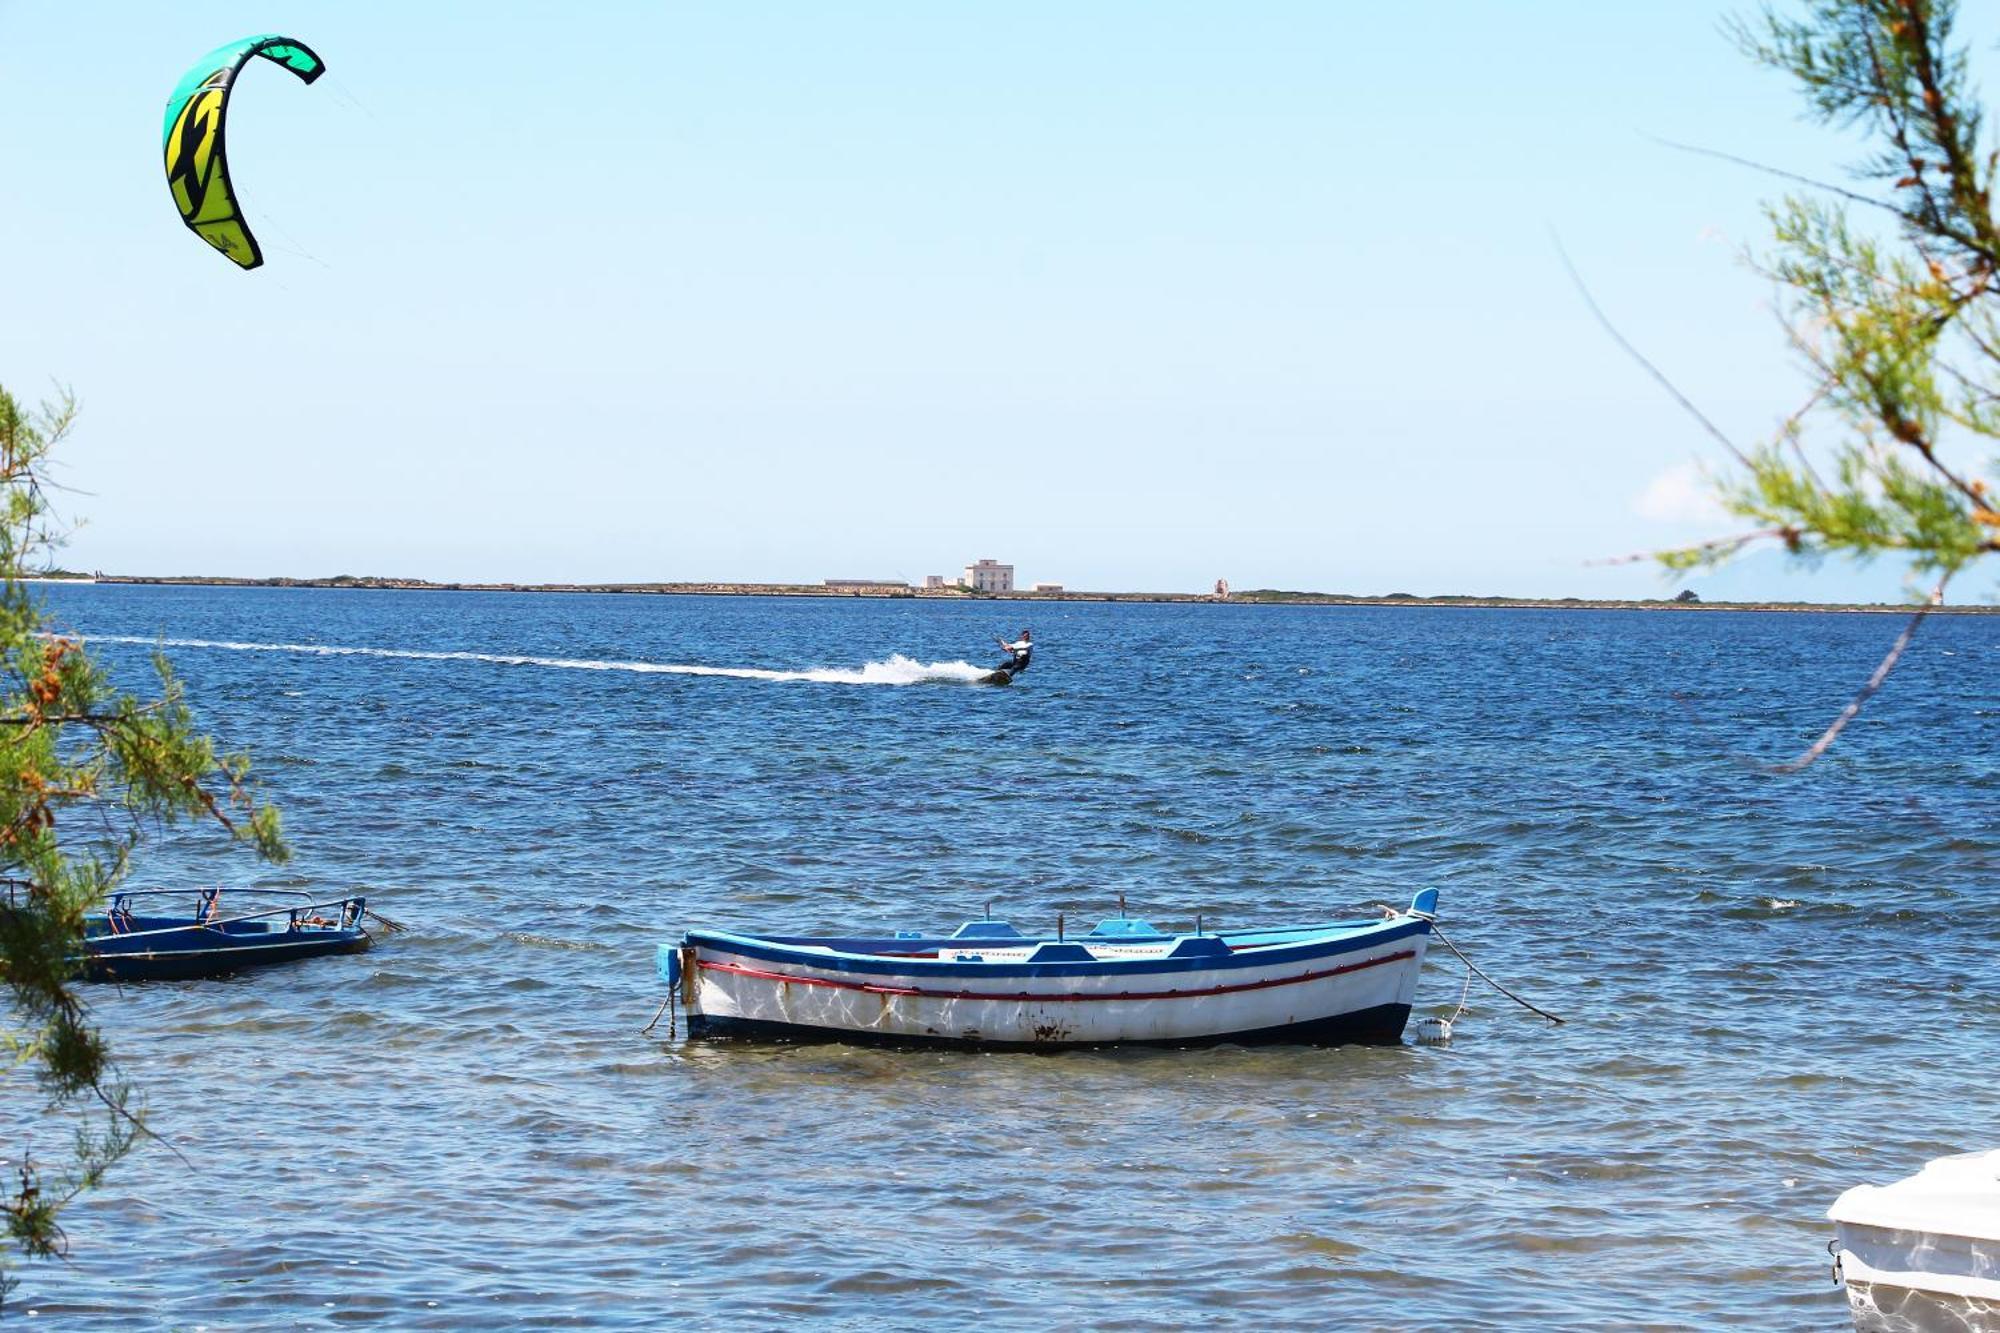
[[988, 576], [866, 583], [933, 582], [1047, 587]]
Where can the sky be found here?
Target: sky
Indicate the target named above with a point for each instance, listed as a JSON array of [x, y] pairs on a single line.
[[1134, 294]]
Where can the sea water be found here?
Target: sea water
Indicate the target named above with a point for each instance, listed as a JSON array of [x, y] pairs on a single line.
[[1775, 986]]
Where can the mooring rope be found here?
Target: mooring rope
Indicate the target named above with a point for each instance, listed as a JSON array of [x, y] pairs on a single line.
[[1464, 994], [647, 1030], [1473, 969]]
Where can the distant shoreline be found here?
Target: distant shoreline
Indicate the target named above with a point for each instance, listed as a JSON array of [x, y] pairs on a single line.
[[1248, 597]]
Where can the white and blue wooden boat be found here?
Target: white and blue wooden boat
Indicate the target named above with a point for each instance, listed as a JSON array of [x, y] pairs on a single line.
[[991, 986], [131, 941]]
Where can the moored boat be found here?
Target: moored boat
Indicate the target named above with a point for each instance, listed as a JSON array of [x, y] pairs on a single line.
[[1923, 1253], [128, 943], [1125, 982]]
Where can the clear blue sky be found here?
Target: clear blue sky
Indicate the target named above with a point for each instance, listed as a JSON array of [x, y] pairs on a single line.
[[1135, 294]]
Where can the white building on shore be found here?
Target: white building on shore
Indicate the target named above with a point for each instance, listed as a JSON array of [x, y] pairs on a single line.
[[988, 576]]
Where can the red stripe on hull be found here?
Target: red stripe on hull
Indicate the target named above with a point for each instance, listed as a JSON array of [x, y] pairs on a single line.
[[737, 970]]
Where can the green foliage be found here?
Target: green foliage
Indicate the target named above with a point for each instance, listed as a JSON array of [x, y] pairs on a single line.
[[1900, 331], [85, 772]]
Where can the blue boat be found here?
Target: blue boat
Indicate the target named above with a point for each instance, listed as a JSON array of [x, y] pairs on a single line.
[[128, 943], [988, 985]]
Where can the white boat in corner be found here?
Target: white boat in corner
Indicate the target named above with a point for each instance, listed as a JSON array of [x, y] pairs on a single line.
[[988, 985], [1923, 1254]]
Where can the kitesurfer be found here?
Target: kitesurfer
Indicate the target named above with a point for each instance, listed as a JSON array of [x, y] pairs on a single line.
[[1022, 649]]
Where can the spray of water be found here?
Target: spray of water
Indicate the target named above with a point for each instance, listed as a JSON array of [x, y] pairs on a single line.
[[897, 670]]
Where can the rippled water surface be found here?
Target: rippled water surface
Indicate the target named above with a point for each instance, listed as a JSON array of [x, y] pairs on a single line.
[[1776, 986]]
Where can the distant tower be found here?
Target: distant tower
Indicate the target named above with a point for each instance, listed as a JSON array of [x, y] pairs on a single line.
[[1222, 590]]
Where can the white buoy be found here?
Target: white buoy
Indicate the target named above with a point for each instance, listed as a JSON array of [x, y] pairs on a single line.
[[1434, 1031]]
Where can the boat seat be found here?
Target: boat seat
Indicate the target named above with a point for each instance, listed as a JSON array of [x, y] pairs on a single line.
[[986, 930], [1199, 946], [1123, 927]]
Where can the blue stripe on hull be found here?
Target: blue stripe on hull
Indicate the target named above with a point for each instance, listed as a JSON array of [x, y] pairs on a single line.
[[748, 946], [1381, 1025]]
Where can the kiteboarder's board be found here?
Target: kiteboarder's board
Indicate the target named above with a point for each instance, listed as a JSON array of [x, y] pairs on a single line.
[[1001, 677]]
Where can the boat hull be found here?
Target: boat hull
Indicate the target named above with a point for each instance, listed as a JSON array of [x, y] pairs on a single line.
[[1924, 1252], [1352, 984], [166, 963], [1916, 1301]]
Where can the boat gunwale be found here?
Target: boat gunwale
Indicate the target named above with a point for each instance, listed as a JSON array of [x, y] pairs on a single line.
[[276, 941], [1904, 1217], [1347, 938]]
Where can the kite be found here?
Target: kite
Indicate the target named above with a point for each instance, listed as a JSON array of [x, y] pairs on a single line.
[[197, 165]]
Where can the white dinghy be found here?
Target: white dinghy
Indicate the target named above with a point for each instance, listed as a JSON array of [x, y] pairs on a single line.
[[1923, 1254]]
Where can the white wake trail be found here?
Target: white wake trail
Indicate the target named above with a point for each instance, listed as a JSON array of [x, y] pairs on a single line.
[[898, 670]]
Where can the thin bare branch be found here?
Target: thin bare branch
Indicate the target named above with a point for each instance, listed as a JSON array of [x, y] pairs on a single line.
[[1718, 545], [1584, 291], [1805, 758], [1852, 196]]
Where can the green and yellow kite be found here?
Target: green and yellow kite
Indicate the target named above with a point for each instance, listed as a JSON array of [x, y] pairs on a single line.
[[197, 167]]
